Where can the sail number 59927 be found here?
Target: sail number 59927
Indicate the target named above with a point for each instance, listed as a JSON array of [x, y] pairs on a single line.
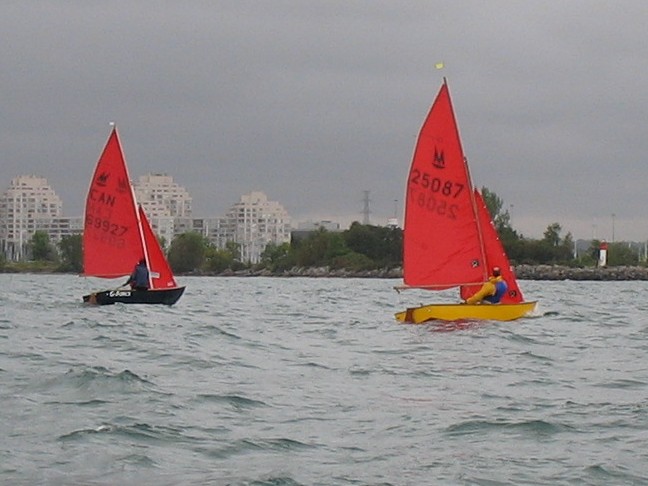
[[105, 225]]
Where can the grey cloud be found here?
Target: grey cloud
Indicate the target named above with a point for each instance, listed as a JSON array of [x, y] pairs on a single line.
[[314, 102]]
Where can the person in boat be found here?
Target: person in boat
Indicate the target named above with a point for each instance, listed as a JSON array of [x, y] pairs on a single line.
[[492, 291], [139, 279]]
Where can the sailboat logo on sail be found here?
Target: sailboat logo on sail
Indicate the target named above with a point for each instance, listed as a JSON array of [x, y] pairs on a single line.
[[102, 179], [122, 186], [439, 159]]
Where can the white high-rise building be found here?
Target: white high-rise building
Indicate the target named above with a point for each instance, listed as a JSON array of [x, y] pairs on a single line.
[[164, 202], [160, 196], [164, 227], [215, 229], [28, 205], [254, 222]]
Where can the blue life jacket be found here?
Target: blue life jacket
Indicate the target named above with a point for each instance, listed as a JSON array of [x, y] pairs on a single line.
[[500, 290]]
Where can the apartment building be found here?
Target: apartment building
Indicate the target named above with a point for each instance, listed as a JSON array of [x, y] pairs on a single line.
[[29, 205], [166, 204], [159, 195], [253, 222]]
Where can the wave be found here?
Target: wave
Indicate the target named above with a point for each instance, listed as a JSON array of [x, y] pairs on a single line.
[[138, 431], [533, 426], [236, 401]]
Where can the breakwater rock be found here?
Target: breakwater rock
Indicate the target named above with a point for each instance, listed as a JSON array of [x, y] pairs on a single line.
[[557, 272], [523, 272], [317, 272]]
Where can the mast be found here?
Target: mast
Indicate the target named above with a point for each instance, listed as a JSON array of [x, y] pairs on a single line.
[[480, 231], [135, 206], [473, 203]]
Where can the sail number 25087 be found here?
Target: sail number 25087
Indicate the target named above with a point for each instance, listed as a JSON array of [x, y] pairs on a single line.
[[428, 192], [436, 185]]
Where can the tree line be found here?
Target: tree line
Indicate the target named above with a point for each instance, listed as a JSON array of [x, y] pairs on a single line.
[[553, 248], [361, 247]]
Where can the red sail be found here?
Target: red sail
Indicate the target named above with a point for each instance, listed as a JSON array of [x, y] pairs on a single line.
[[161, 275], [495, 255], [112, 243], [441, 243]]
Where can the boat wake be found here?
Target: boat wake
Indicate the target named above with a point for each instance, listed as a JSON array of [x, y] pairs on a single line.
[[452, 326]]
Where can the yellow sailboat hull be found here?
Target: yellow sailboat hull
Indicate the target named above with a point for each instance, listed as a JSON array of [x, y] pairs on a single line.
[[456, 312]]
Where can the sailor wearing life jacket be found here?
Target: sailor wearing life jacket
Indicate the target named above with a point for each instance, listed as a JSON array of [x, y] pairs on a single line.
[[492, 291]]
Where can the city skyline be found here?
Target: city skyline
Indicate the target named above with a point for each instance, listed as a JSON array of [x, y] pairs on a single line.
[[30, 205], [153, 208], [150, 203]]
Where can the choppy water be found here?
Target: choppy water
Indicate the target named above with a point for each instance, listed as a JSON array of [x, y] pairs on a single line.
[[311, 382]]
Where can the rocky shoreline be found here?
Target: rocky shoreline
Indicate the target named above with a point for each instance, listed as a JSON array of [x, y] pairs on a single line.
[[523, 272], [549, 272]]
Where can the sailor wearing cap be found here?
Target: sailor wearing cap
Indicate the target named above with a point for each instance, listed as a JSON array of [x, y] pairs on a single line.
[[492, 291]]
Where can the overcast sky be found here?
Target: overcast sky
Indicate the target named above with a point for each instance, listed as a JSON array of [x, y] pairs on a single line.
[[314, 102]]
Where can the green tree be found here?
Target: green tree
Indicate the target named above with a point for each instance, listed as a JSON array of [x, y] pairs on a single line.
[[617, 254], [218, 260], [187, 252], [622, 254], [381, 245], [594, 250], [70, 248], [353, 261], [502, 221], [234, 249], [501, 218], [552, 234], [41, 248], [318, 248], [568, 247], [551, 249], [277, 257]]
